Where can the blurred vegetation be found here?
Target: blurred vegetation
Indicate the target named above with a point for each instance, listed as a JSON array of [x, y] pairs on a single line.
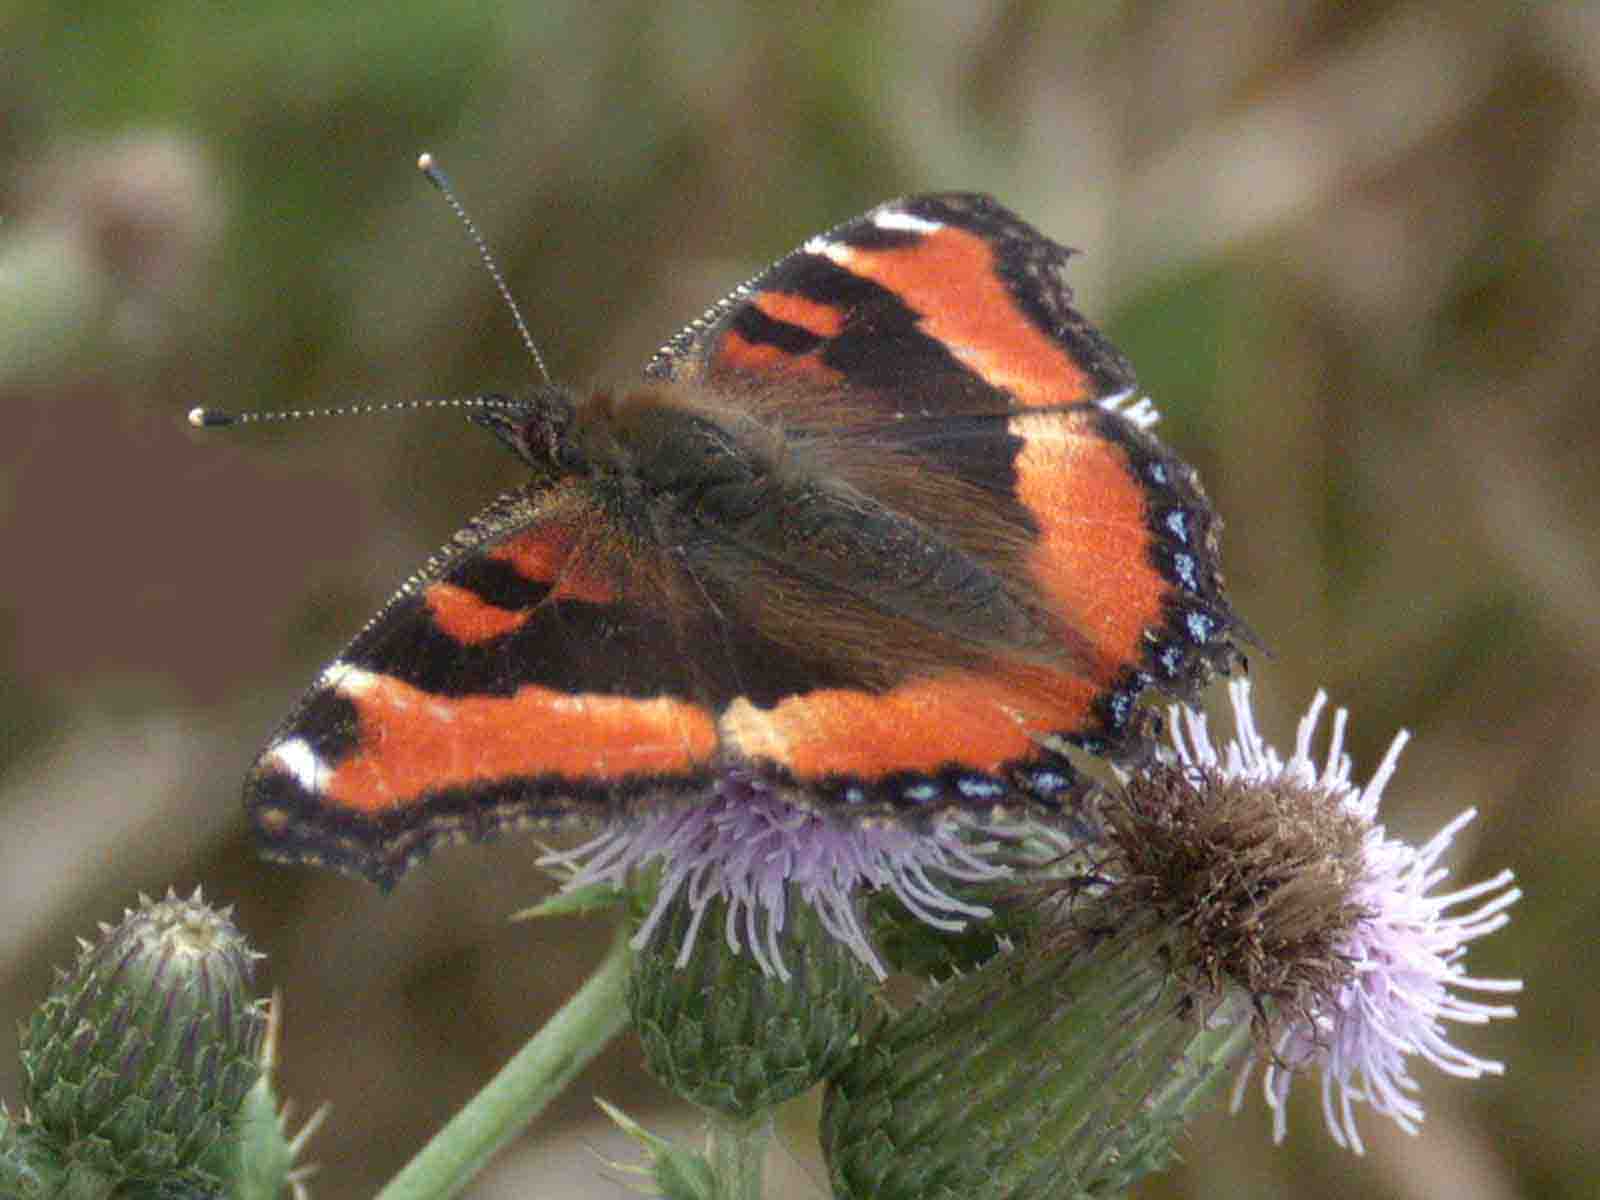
[[1352, 249]]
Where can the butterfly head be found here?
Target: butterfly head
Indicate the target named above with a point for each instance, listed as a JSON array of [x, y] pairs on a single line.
[[537, 428]]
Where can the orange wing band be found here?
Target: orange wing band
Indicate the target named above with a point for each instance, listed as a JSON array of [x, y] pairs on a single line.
[[412, 743], [950, 279]]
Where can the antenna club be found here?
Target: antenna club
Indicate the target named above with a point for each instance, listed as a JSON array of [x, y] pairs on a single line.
[[434, 174], [209, 418]]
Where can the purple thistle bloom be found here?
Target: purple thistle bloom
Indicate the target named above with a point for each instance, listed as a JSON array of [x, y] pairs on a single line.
[[1405, 952], [750, 847]]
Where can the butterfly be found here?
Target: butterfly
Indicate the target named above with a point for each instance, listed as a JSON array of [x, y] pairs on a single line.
[[883, 529]]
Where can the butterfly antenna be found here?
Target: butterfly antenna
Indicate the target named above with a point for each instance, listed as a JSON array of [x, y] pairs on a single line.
[[435, 176], [218, 418]]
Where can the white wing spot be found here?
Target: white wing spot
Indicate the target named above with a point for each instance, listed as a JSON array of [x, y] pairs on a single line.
[[296, 758], [349, 681], [1141, 411], [895, 220], [900, 220]]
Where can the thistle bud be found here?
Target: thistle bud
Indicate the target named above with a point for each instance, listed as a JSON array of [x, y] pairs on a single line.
[[727, 1034], [1062, 1068], [137, 1062]]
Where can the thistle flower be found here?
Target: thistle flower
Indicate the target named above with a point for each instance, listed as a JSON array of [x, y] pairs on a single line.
[[1399, 974], [1231, 891], [754, 854]]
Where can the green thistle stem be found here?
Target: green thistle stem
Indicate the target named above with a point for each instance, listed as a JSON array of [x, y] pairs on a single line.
[[737, 1149], [537, 1074]]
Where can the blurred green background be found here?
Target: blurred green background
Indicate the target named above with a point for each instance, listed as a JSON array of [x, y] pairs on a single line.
[[1351, 247]]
